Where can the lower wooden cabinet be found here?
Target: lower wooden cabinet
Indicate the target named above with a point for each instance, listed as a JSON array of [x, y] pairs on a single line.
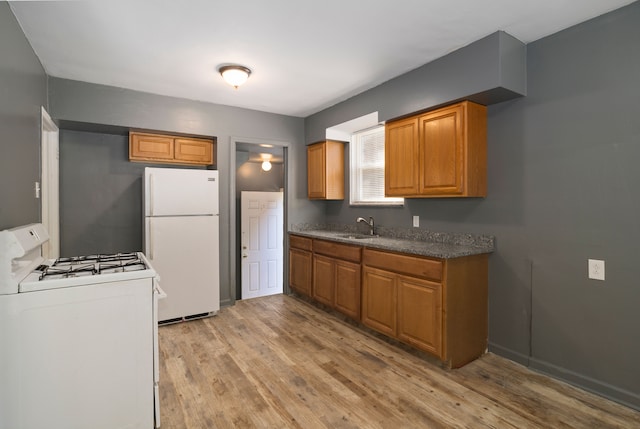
[[438, 306], [336, 278], [379, 300], [348, 288], [420, 314], [326, 271], [300, 266], [324, 283], [300, 271]]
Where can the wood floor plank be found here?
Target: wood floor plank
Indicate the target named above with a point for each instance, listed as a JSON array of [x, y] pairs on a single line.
[[279, 362]]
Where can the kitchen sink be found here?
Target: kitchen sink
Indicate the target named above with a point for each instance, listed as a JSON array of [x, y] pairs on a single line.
[[358, 236]]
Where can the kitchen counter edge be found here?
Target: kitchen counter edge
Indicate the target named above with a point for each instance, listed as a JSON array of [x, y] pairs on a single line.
[[413, 247]]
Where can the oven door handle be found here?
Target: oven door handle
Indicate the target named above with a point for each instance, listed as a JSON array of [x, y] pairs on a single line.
[[157, 290]]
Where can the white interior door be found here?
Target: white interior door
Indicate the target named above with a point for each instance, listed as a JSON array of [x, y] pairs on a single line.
[[50, 185], [262, 236]]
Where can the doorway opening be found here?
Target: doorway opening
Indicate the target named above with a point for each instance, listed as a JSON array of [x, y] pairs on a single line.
[[251, 174], [50, 178]]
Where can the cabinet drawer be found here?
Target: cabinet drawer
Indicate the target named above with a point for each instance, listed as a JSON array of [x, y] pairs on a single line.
[[410, 265], [298, 242], [339, 251]]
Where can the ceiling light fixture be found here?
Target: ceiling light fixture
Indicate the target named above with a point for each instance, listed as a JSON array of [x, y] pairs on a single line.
[[235, 75], [266, 161]]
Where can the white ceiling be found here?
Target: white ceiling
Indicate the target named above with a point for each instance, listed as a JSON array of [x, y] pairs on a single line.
[[305, 56]]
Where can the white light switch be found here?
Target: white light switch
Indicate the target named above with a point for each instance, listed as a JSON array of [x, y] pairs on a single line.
[[416, 221], [596, 269]]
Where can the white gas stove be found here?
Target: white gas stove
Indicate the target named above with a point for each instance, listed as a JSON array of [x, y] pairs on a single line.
[[78, 337]]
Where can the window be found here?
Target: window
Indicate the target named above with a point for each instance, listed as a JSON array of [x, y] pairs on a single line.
[[367, 169]]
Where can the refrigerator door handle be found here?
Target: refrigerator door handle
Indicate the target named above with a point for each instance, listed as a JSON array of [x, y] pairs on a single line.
[[151, 194], [151, 238]]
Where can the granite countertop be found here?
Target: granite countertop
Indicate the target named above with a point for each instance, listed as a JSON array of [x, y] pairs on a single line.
[[416, 242]]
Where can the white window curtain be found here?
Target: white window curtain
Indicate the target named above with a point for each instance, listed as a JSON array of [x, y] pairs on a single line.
[[367, 169]]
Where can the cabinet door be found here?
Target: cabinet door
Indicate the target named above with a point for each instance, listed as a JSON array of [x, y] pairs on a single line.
[[325, 170], [441, 151], [348, 288], [300, 271], [420, 314], [324, 279], [379, 300], [150, 147], [194, 151], [401, 152], [316, 171], [334, 170]]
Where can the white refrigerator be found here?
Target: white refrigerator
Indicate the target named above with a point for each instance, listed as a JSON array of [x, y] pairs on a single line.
[[181, 240]]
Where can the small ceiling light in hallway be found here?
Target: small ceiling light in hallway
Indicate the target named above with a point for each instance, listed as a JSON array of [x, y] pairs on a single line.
[[266, 161]]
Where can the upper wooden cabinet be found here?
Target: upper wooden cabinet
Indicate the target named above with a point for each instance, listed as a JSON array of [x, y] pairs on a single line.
[[325, 170], [442, 153], [158, 148]]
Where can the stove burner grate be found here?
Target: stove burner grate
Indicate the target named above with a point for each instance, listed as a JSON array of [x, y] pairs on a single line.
[[121, 266], [66, 272], [96, 258]]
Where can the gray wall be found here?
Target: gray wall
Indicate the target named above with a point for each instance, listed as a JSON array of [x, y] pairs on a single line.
[[86, 103], [487, 71], [562, 187], [100, 194], [23, 90]]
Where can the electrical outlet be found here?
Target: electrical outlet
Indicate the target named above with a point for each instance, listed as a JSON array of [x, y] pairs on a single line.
[[596, 269], [416, 221]]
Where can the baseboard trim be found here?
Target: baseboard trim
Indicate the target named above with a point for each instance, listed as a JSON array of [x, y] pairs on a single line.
[[517, 357], [622, 396]]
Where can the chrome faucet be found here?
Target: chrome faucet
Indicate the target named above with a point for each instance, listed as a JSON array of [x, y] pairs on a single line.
[[370, 223]]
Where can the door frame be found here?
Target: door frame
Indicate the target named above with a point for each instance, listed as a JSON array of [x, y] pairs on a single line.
[[234, 276], [50, 184]]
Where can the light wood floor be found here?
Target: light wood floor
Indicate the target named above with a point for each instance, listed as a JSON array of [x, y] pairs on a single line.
[[278, 362]]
